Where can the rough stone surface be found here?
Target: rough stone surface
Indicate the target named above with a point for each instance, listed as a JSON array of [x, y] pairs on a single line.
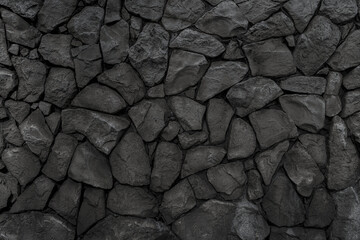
[[301, 11], [352, 80], [151, 10], [189, 139], [297, 233], [304, 84], [55, 48], [351, 103], [339, 11], [8, 81], [315, 145], [201, 186], [25, 8]]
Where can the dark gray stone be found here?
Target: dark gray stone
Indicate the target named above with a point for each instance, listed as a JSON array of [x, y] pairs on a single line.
[[8, 81], [112, 13], [125, 80], [54, 13], [278, 25], [201, 186], [339, 11], [201, 158], [171, 130], [5, 195], [220, 76], [232, 21], [178, 200], [297, 233], [151, 10], [198, 42], [32, 76], [344, 163], [129, 161], [315, 145], [241, 141], [37, 134], [307, 111], [18, 30], [334, 82], [53, 121], [282, 204], [347, 55], [100, 98], [189, 139], [66, 200], [304, 84], [11, 132], [185, 70], [114, 41], [156, 91], [351, 103], [133, 201], [149, 55], [352, 79], [21, 163], [4, 56], [166, 167], [11, 184], [90, 166], [301, 11], [86, 24], [252, 94], [353, 123], [35, 226], [25, 8], [92, 209], [188, 112], [55, 48], [233, 51], [270, 58], [102, 130], [333, 105], [254, 188], [272, 126], [312, 51], [35, 196]]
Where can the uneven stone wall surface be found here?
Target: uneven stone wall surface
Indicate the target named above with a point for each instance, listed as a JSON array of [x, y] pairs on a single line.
[[179, 119]]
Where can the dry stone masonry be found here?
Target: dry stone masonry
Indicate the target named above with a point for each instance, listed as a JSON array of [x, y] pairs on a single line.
[[179, 119]]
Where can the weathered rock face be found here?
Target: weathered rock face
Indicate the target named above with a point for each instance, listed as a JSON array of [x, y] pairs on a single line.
[[297, 233], [304, 84], [311, 50], [350, 103], [301, 11], [151, 10], [25, 8], [55, 48], [8, 81], [339, 11]]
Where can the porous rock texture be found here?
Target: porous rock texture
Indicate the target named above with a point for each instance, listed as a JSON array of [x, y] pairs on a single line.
[[179, 119]]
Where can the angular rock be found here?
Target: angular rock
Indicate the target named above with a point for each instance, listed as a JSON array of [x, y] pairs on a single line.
[[171, 131], [272, 126], [218, 117], [156, 91], [21, 163], [35, 196], [304, 84], [268, 161], [353, 123], [297, 233], [66, 200], [321, 210], [88, 64], [90, 166], [9, 189], [254, 189], [278, 25], [307, 111], [151, 10], [201, 158], [339, 11], [101, 129], [334, 81], [249, 222], [114, 41], [129, 161], [312, 51], [18, 30], [25, 8], [124, 79], [8, 81], [351, 103], [11, 132], [86, 24], [32, 76], [100, 98], [178, 200], [301, 11], [242, 140], [233, 23], [270, 58], [54, 13], [92, 209], [252, 94], [133, 201], [166, 167], [315, 145], [346, 223], [302, 169], [213, 217], [188, 112], [220, 76], [35, 225], [5, 195], [179, 14], [189, 139], [53, 121], [352, 79], [344, 163], [113, 9], [201, 186], [121, 227], [228, 179], [4, 56], [333, 105], [347, 55], [149, 55], [185, 70], [55, 48], [198, 42], [59, 159], [282, 204], [233, 51]]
